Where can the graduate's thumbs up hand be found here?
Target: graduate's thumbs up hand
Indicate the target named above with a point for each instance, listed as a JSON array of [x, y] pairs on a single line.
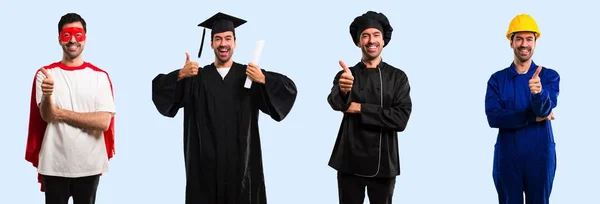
[[189, 68], [346, 79], [47, 83], [535, 85]]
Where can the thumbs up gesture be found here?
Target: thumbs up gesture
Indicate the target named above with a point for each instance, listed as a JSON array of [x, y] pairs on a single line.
[[47, 83], [346, 79], [189, 68], [535, 85]]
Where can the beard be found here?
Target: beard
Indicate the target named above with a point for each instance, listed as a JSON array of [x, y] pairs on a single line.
[[72, 54], [371, 55], [227, 55], [523, 58]]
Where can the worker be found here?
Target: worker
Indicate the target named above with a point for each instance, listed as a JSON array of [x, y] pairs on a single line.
[[519, 102]]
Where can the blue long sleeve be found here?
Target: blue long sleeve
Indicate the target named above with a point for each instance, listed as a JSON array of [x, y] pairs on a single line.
[[499, 113], [543, 102]]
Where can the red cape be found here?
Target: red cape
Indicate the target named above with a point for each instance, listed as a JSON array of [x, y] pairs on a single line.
[[37, 126]]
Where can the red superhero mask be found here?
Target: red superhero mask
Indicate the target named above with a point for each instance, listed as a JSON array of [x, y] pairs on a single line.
[[67, 33]]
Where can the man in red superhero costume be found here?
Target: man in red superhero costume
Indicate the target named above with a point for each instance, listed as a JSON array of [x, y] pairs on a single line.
[[71, 124]]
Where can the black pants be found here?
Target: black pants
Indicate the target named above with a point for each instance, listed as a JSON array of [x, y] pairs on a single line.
[[351, 189], [59, 189]]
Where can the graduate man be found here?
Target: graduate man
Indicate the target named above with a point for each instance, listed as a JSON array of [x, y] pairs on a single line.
[[375, 99], [519, 101], [71, 123], [222, 147]]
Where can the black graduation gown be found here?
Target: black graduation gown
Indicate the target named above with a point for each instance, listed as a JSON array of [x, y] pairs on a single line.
[[221, 138], [367, 142]]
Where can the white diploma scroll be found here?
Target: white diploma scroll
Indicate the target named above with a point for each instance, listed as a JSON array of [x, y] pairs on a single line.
[[255, 59]]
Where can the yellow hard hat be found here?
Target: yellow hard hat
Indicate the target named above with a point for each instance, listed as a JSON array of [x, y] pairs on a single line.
[[523, 22]]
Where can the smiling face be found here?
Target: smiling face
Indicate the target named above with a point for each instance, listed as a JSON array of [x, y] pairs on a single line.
[[371, 43], [223, 45], [72, 39], [523, 45]]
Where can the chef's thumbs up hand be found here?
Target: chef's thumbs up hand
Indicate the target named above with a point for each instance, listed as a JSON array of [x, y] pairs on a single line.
[[346, 79], [47, 83], [189, 68], [535, 85]]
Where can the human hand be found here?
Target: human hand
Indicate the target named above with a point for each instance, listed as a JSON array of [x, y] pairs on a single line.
[[47, 83], [346, 79], [535, 85], [255, 73], [549, 117], [354, 108], [189, 68]]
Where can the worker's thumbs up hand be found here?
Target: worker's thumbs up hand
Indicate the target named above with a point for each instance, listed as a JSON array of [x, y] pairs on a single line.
[[346, 79], [47, 83], [189, 68], [535, 85]]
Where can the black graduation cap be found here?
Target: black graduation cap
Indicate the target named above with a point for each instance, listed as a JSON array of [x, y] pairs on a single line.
[[219, 23]]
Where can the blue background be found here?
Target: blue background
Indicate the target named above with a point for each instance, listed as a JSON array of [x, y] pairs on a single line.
[[448, 49]]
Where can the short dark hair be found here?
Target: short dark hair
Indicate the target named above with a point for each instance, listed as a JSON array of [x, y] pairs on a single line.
[[512, 36], [71, 18]]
